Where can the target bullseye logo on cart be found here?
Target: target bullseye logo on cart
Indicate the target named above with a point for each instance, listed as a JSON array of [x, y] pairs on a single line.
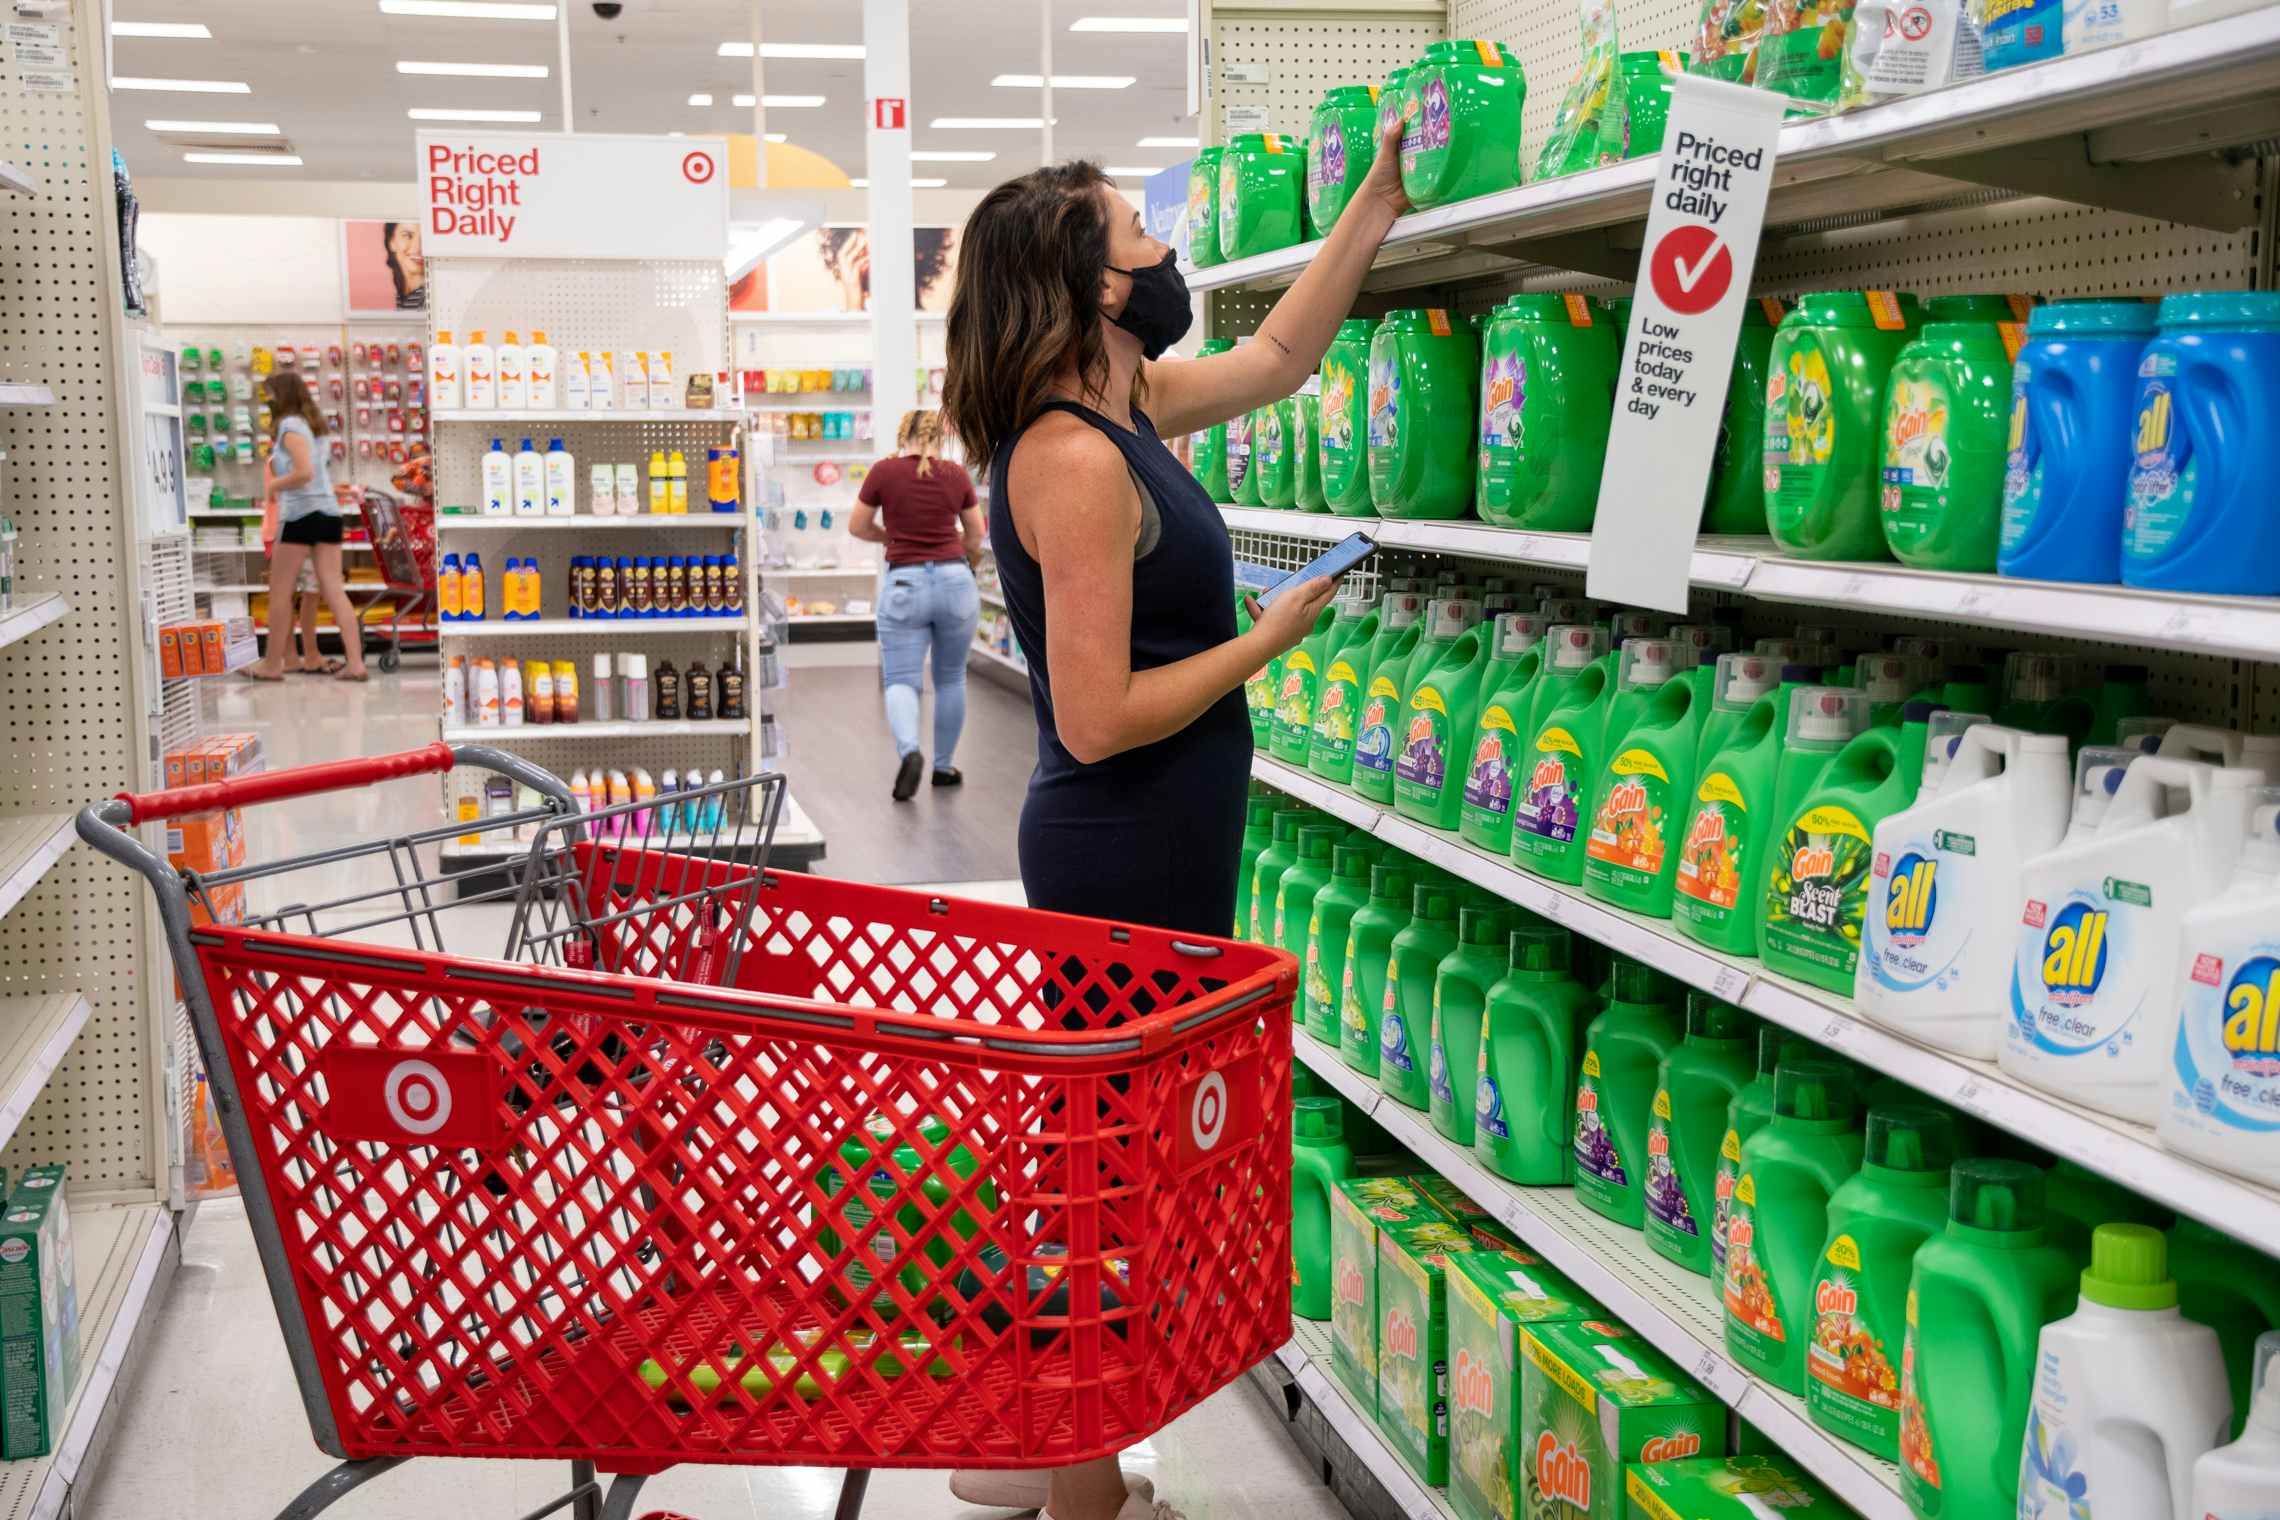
[[418, 1098], [1207, 1114], [1218, 1113], [401, 1097]]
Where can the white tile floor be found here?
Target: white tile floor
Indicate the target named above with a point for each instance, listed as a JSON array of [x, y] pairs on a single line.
[[212, 1426]]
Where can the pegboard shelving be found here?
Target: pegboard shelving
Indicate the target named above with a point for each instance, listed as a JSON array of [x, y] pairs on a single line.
[[32, 614], [563, 416], [30, 846], [586, 521], [36, 1032], [25, 393]]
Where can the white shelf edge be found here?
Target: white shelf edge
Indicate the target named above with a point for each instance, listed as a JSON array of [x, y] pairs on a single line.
[[13, 178], [725, 728], [36, 1031], [25, 393], [1415, 1499], [462, 522], [1016, 666], [592, 414], [861, 572], [32, 614], [596, 626], [822, 318], [832, 458], [29, 845], [809, 401], [830, 619]]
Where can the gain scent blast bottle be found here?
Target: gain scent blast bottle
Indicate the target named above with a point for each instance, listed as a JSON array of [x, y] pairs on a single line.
[[1561, 762], [1623, 1053], [1405, 1019], [2242, 1481], [1295, 894], [2222, 1087], [1344, 410], [1751, 1111], [1547, 401], [1291, 735], [1344, 137], [1736, 502], [1530, 1047], [1443, 705], [1946, 409], [1322, 974], [1243, 459], [1780, 1218], [1641, 798], [1203, 207], [1369, 950], [1320, 1159], [1424, 367], [1824, 415], [1385, 693], [1979, 1294], [1208, 458], [1516, 662], [1718, 896], [1877, 1219], [1462, 138], [1338, 695], [1460, 1001], [1267, 871], [1693, 1095], [1258, 833]]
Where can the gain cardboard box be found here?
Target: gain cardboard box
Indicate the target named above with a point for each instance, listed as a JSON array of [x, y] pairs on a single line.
[[1595, 1398]]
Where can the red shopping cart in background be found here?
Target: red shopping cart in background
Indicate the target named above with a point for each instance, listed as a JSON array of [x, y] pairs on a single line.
[[714, 1164], [402, 533]]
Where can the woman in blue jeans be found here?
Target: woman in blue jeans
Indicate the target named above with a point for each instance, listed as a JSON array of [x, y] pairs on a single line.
[[923, 508]]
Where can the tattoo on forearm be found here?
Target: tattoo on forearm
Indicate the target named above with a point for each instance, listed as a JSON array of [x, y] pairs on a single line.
[[1277, 342]]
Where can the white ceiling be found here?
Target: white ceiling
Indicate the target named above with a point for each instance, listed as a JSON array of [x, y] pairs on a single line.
[[324, 71]]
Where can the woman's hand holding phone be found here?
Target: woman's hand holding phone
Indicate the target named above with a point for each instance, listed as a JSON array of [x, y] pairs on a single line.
[[1291, 616]]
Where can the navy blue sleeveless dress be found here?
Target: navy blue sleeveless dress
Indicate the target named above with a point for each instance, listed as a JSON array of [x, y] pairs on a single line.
[[1151, 836]]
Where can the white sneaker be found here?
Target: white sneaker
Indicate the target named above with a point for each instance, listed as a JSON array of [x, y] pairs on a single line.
[[1022, 1490], [1136, 1508]]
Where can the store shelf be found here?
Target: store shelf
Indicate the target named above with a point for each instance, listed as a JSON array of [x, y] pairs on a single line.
[[838, 457], [461, 523], [21, 393], [29, 844], [2242, 626], [990, 655], [592, 414], [1306, 1356], [30, 615], [226, 514], [990, 598], [856, 572], [821, 318], [2126, 1152], [810, 401], [829, 619], [13, 178], [725, 728], [36, 1029], [596, 626]]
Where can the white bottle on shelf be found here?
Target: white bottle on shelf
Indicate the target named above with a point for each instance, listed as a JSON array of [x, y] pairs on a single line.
[[498, 481], [2221, 1086], [479, 363], [561, 480], [538, 374], [628, 490], [601, 381], [530, 482], [444, 390], [514, 391], [2242, 1481], [575, 394], [510, 694], [633, 380], [664, 388], [601, 491]]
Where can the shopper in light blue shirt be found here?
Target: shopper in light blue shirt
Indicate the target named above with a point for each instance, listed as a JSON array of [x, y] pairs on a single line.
[[308, 528]]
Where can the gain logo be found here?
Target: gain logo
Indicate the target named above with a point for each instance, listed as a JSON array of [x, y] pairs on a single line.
[[2252, 1018], [1812, 860], [1561, 1471], [1400, 1336], [1914, 899], [1832, 1297], [1346, 1285], [1550, 775], [1472, 1386], [2074, 955], [1670, 1448], [1625, 799]]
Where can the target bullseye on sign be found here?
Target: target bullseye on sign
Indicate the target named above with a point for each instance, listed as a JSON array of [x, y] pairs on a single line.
[[1218, 1114], [399, 1097]]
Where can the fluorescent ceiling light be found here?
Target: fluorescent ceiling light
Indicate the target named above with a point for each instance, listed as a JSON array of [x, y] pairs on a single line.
[[476, 70], [916, 184], [779, 102], [987, 123], [794, 50], [473, 10], [777, 136], [1064, 81], [1165, 142], [221, 128], [187, 86], [948, 156], [182, 29], [700, 100], [282, 160], [1129, 24], [428, 113]]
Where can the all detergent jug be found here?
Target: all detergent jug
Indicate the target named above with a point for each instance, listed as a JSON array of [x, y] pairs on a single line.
[[2221, 1103], [1301, 885], [1262, 194], [1344, 409], [1306, 448], [1945, 440], [1444, 710], [1561, 766], [2242, 1481], [1258, 833], [1369, 946], [1937, 954], [1323, 973], [1292, 735], [2199, 516], [1645, 786], [2094, 1003], [1320, 1159], [1547, 402], [1338, 697], [1267, 870], [1385, 694], [1824, 415], [1462, 136], [2066, 474], [1531, 1046], [1751, 1111], [1274, 463], [1203, 207], [1208, 458], [2233, 1290], [1343, 134], [1424, 365], [1979, 1295], [1460, 1002], [1405, 1022], [1518, 652], [1694, 1092], [1780, 1219], [1736, 501], [1623, 1053]]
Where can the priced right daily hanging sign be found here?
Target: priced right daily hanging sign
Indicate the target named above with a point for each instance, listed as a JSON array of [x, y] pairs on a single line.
[[1686, 315]]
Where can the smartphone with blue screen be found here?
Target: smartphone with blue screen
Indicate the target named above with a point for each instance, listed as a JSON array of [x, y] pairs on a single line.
[[1333, 562]]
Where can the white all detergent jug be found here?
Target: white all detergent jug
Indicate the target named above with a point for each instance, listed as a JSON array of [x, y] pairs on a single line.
[[2223, 1103], [2093, 1010], [2242, 1481], [1944, 876]]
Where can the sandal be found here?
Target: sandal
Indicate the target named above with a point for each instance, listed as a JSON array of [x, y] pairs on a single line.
[[248, 673], [330, 667], [344, 674]]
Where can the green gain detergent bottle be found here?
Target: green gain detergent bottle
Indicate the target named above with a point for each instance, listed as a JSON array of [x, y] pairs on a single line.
[[1817, 889], [1273, 455], [1531, 1045], [1979, 1295], [1547, 401], [2232, 1289], [1562, 765], [1323, 972], [1623, 1053], [1416, 955], [1258, 833], [1462, 138], [1385, 694], [1208, 457], [1736, 501], [1369, 949], [1344, 410], [1292, 733], [1243, 459], [1877, 1220], [1262, 194], [1203, 207], [1306, 449], [1693, 1095], [1460, 1001], [1338, 696], [1444, 710], [1644, 787], [1780, 1218], [1738, 682], [1343, 138], [1516, 660], [1267, 871], [1302, 884], [1824, 421], [1320, 1159], [1751, 1111], [1947, 431], [1260, 688], [1424, 364]]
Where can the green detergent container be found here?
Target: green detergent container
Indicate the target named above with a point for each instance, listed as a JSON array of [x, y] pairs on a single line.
[[1203, 207], [1979, 307], [1547, 402], [1751, 1111], [1516, 660], [1979, 1295], [1274, 437], [1646, 784], [1444, 711], [1460, 1003], [1639, 108], [1267, 871], [1947, 427], [1405, 1023], [2037, 698], [2232, 1289], [1262, 194], [1369, 949], [1877, 1220], [1715, 898], [1208, 457], [1385, 694], [1462, 136], [1562, 765], [1323, 972], [1623, 1053], [1424, 365], [1344, 414], [2120, 695], [1258, 833], [1338, 697], [1824, 422], [2077, 1200], [1292, 733], [1302, 884], [1694, 1093], [1817, 887], [1738, 682], [1306, 450], [1889, 681], [1342, 139], [1531, 1046], [1320, 1159], [926, 1171], [1260, 688], [1780, 1219], [1243, 459], [1736, 502]]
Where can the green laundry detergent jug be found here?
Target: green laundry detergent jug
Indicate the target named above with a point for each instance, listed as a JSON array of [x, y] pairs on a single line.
[[1258, 833], [1320, 1159], [1639, 107], [1207, 457], [1302, 884], [1561, 763], [1694, 1093], [1424, 364], [1516, 660], [1736, 500], [2120, 696], [1547, 401], [1877, 1220], [1718, 897], [1978, 1297], [879, 1164], [1369, 949], [1979, 307], [1260, 688], [1385, 694], [1461, 138], [1344, 410], [1292, 734], [1817, 890], [1243, 459], [1444, 710], [2232, 1289], [1338, 696], [1322, 974], [1531, 1045], [1460, 1001], [1342, 140], [1824, 416], [1780, 1218], [2077, 1200], [1416, 955], [1262, 194], [1623, 1053], [1203, 207], [1947, 408], [1306, 449], [1274, 429], [1737, 683], [2038, 697], [1889, 681], [1751, 1111], [1645, 784], [1267, 871]]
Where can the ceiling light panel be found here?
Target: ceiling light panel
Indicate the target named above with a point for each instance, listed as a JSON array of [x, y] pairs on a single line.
[[220, 128], [280, 160], [774, 102], [1129, 24], [186, 86], [916, 184], [1165, 142], [476, 70], [700, 100], [1064, 81], [429, 113], [1131, 171], [948, 156], [794, 50], [987, 123], [469, 10], [186, 31]]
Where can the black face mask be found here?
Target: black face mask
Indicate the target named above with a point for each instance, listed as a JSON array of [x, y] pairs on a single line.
[[1157, 311]]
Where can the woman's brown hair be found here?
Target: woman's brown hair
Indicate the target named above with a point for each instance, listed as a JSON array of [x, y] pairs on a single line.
[[289, 397], [921, 434], [1026, 306]]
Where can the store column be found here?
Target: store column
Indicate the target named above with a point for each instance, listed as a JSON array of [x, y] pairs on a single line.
[[894, 325]]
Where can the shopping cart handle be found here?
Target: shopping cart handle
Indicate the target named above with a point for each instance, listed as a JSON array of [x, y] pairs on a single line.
[[276, 786]]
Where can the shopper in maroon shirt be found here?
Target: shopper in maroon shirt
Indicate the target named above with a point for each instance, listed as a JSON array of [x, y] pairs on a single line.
[[923, 508]]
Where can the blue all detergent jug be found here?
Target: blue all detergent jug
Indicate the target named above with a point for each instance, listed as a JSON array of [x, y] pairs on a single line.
[[2205, 453], [2073, 396]]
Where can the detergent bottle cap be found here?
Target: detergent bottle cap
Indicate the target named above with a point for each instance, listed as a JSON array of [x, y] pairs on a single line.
[[553, 445], [1449, 616], [1702, 642], [1483, 925], [1918, 712], [2264, 1384], [2029, 677], [1288, 821], [1910, 1137], [498, 445], [1321, 1121], [1575, 645], [1316, 841], [1787, 650], [1888, 677], [2142, 733], [1633, 623], [1517, 633], [2262, 856], [2098, 773], [1636, 983], [1997, 1198], [1389, 883], [1565, 609], [1433, 902], [1352, 862], [1826, 715], [1941, 743], [1495, 603], [1646, 663], [1353, 604], [1259, 812], [2129, 1268], [526, 447], [1707, 1018], [1401, 608], [1540, 947], [1814, 1091], [1742, 679], [1774, 1043]]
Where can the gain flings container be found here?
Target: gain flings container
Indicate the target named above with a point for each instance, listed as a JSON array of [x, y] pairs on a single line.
[[1736, 502], [1462, 135], [1824, 421], [1343, 135], [1547, 401], [1262, 194], [1274, 463], [1342, 413], [1208, 459], [1203, 207], [1424, 365], [1306, 452], [1946, 434]]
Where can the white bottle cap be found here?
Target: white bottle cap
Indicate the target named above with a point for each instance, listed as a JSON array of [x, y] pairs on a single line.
[[1575, 645], [601, 667], [1402, 608], [1887, 677], [1634, 624], [1827, 714], [2261, 857], [1743, 678], [2143, 733], [1787, 651], [1647, 662], [2264, 1383], [1451, 616], [2098, 773], [1706, 640], [1517, 633], [2033, 677], [1942, 738], [635, 666]]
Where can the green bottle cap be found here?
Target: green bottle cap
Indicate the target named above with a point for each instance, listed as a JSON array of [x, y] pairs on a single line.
[[1910, 1137], [1481, 925], [1288, 822], [1316, 841], [1321, 1120], [1709, 1019], [1773, 1041], [1389, 883], [1820, 1091], [2002, 1197], [1351, 861], [1434, 903], [2129, 1268], [1540, 947], [1259, 813], [1635, 983]]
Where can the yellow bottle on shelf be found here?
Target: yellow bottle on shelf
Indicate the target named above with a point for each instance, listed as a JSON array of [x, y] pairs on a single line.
[[660, 490], [677, 481]]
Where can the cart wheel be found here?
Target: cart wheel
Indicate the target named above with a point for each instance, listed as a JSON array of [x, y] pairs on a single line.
[[389, 660]]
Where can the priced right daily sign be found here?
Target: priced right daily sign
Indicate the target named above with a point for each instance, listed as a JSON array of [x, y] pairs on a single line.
[[1686, 315]]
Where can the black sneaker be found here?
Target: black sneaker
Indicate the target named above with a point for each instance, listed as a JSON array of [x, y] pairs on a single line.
[[949, 775], [906, 776]]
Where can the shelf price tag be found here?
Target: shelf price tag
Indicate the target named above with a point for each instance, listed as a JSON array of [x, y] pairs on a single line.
[[1710, 189]]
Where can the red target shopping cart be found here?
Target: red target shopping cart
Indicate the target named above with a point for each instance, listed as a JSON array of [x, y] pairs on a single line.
[[717, 1164]]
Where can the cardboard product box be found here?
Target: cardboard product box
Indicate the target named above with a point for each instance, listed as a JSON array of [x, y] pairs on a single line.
[[1413, 1339], [235, 644], [1595, 1398], [1727, 1488], [170, 652], [1492, 1294], [220, 905], [211, 841], [39, 1315], [210, 660], [1359, 1207]]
